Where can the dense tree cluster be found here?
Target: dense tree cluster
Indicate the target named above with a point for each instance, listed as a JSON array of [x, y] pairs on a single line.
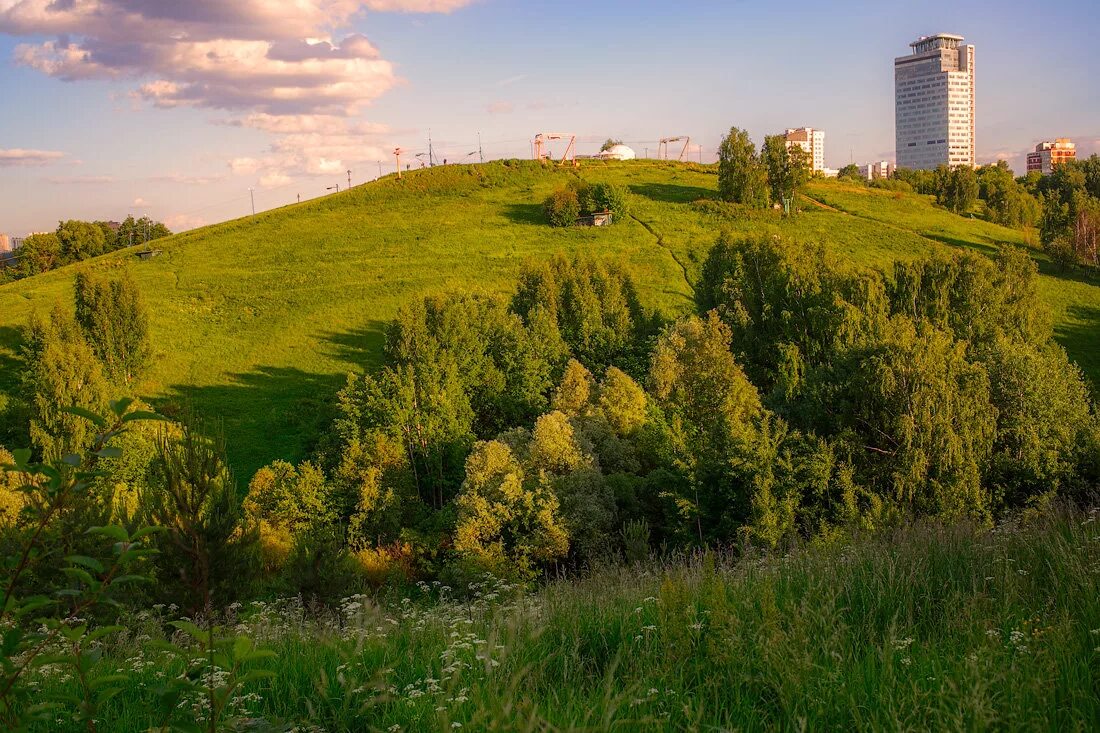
[[74, 241], [566, 424], [564, 206], [804, 397]]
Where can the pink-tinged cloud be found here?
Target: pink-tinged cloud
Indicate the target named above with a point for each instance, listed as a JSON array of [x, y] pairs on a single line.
[[500, 108], [183, 222], [270, 56], [19, 157], [79, 180]]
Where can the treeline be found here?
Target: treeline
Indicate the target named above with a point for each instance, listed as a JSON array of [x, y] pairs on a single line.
[[1065, 206], [74, 241]]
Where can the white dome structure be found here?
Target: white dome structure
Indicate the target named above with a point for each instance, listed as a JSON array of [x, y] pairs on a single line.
[[618, 152]]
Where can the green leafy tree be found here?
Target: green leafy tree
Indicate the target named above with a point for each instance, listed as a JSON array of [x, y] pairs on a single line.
[[209, 552], [1007, 202], [742, 179], [609, 143], [61, 371], [851, 172], [713, 412], [593, 306], [506, 523], [113, 318], [608, 197], [39, 253], [80, 240], [788, 167], [956, 188]]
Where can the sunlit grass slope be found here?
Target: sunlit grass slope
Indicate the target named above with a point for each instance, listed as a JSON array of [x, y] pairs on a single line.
[[257, 320]]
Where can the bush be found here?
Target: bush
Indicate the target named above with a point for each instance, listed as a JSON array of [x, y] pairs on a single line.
[[562, 208], [609, 197]]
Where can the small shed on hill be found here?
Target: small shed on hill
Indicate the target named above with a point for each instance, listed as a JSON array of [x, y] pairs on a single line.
[[148, 254], [598, 219]]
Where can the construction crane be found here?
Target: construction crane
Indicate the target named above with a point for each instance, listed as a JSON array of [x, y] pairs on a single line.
[[570, 151], [662, 147]]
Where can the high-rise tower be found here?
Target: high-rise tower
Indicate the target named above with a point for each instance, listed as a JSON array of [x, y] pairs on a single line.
[[934, 103]]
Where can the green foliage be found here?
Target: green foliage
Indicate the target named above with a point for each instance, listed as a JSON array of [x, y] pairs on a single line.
[[208, 548], [115, 324], [593, 306], [563, 207], [48, 626], [788, 167], [39, 253], [1007, 202], [608, 197], [851, 172], [504, 521], [610, 143], [713, 414], [742, 178], [956, 188], [80, 240], [61, 370]]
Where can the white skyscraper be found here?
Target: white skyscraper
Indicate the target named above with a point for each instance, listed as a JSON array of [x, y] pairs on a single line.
[[934, 103]]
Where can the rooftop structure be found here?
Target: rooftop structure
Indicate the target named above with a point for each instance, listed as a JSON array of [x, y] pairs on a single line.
[[1049, 155], [934, 103]]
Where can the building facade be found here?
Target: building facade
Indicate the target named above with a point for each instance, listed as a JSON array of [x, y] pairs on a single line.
[[934, 103], [810, 140], [880, 169], [1049, 155]]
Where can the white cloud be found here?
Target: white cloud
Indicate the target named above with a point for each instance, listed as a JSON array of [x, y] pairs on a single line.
[[79, 179], [183, 222], [140, 203], [21, 156]]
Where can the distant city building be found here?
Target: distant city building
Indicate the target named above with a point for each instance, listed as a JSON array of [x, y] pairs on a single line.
[[5, 243], [810, 140], [16, 243], [881, 169], [830, 172], [934, 103], [1048, 155]]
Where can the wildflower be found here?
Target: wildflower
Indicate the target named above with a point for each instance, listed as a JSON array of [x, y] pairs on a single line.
[[456, 724]]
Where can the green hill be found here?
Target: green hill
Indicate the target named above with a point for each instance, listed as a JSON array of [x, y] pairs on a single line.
[[258, 320]]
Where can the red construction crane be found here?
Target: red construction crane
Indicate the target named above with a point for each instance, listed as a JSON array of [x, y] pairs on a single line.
[[662, 146], [570, 151]]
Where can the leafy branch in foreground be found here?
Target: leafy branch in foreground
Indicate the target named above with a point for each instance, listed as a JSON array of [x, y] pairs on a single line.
[[60, 636]]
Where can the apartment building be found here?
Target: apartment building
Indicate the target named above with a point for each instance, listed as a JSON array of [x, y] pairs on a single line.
[[934, 103]]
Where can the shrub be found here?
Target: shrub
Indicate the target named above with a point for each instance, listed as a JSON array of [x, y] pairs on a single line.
[[608, 197], [562, 208]]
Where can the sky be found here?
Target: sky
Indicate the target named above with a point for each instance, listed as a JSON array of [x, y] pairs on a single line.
[[189, 111]]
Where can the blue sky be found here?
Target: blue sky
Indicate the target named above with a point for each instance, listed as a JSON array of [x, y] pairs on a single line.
[[139, 107]]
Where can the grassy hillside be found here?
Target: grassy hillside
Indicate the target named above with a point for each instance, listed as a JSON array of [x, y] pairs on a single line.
[[258, 320]]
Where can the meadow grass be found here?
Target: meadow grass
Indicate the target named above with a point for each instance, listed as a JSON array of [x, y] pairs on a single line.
[[258, 320], [924, 628]]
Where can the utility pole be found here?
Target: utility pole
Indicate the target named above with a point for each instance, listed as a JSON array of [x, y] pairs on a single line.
[[379, 169], [479, 151], [252, 195], [299, 198], [431, 156], [349, 178], [397, 154], [337, 187]]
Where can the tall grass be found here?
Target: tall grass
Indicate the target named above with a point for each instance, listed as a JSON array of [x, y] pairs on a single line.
[[925, 628]]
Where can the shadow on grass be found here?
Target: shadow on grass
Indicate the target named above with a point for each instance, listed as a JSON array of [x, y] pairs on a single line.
[[1078, 335], [525, 214], [671, 193], [11, 338], [359, 348]]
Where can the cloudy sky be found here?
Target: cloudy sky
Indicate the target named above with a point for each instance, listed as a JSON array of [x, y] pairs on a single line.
[[176, 108]]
